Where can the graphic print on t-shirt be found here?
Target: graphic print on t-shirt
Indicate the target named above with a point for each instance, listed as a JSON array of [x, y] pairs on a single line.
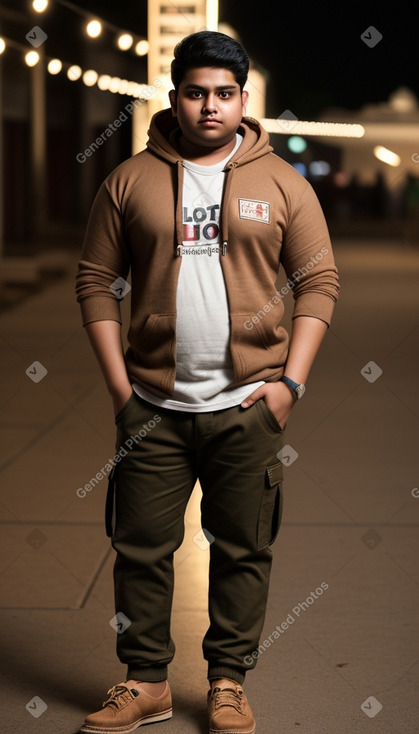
[[201, 226]]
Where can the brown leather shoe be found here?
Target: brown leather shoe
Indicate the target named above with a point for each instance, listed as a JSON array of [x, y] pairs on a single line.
[[228, 709], [128, 708]]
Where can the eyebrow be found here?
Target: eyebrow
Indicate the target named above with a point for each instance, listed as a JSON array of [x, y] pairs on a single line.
[[217, 89]]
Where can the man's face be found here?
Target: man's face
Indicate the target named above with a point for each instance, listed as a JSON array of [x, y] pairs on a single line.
[[208, 106]]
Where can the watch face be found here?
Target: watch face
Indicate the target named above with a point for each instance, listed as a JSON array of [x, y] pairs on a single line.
[[300, 390]]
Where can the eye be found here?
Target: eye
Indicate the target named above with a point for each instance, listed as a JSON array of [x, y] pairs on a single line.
[[225, 95], [196, 94]]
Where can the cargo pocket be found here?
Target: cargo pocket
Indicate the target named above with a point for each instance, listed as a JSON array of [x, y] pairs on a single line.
[[270, 512], [110, 504]]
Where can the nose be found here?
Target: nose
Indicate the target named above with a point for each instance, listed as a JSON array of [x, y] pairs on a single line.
[[209, 103]]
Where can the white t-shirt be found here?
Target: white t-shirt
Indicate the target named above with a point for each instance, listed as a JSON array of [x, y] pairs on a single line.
[[204, 367]]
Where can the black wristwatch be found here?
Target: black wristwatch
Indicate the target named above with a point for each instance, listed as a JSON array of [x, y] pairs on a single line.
[[298, 390]]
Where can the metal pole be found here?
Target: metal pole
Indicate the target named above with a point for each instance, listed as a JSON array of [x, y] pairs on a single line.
[[1, 165], [39, 203]]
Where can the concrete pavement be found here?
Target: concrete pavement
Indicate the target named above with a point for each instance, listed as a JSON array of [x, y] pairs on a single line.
[[345, 581]]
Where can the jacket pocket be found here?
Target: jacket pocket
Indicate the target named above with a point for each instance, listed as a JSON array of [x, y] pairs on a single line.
[[256, 345], [270, 511], [153, 350], [154, 340]]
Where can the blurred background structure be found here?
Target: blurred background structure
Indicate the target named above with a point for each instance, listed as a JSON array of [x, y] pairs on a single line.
[[64, 83], [337, 88]]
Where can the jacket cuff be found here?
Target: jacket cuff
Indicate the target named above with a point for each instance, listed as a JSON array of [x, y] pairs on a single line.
[[100, 308], [316, 305]]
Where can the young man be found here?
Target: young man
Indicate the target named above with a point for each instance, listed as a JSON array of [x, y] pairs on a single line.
[[203, 218]]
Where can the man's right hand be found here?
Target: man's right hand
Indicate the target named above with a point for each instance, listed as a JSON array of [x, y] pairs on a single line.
[[120, 398], [105, 338]]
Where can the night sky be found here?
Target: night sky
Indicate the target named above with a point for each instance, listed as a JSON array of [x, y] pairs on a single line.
[[313, 53]]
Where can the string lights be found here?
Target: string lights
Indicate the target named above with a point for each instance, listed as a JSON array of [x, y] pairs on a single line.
[[95, 25], [305, 127], [74, 72]]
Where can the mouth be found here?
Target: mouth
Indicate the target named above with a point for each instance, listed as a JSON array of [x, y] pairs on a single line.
[[210, 122]]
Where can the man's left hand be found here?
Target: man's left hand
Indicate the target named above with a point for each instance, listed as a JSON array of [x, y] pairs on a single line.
[[277, 396]]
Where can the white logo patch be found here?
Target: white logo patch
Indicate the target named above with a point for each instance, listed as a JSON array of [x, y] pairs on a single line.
[[259, 211]]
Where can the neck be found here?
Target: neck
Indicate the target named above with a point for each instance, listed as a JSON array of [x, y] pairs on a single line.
[[203, 155]]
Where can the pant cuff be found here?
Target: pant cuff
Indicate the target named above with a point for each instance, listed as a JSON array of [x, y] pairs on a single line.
[[223, 671], [147, 674]]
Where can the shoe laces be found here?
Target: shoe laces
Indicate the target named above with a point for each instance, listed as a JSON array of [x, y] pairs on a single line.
[[228, 697], [118, 695]]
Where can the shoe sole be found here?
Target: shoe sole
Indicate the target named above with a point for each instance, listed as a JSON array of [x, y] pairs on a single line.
[[232, 731], [162, 716]]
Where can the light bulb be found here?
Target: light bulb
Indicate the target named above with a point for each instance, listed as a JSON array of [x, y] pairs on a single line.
[[141, 48], [103, 82], [114, 84], [94, 28], [90, 77], [54, 66], [74, 73], [125, 41], [32, 58], [40, 5]]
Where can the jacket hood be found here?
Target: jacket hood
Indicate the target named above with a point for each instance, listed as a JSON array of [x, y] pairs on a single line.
[[162, 134], [164, 127]]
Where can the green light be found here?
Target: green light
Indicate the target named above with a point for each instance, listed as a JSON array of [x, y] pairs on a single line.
[[296, 144]]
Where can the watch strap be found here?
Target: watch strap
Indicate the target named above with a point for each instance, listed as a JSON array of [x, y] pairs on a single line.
[[297, 389]]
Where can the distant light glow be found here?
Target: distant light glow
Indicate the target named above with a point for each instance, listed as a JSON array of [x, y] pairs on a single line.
[[387, 156], [54, 66], [74, 73], [32, 58], [2, 45], [142, 48], [341, 179], [90, 77], [94, 28], [296, 144], [40, 5], [301, 168], [319, 168], [403, 100], [125, 41], [326, 129]]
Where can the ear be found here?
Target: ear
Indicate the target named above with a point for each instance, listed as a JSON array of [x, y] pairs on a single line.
[[245, 99], [173, 102]]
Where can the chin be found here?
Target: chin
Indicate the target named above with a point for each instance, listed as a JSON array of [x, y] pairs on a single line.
[[210, 140]]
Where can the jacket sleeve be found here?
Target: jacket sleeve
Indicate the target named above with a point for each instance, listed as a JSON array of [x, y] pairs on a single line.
[[308, 260], [104, 258]]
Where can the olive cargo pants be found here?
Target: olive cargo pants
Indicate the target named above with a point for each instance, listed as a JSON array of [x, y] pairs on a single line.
[[233, 453]]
